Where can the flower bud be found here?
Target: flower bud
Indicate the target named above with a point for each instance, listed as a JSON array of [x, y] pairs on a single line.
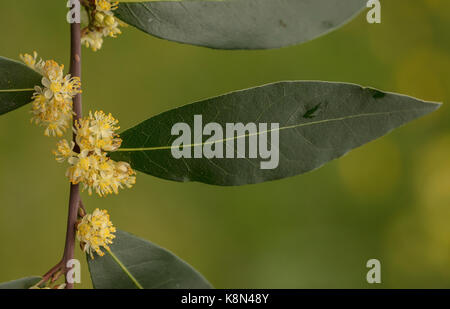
[[110, 20], [95, 231], [81, 213], [99, 17]]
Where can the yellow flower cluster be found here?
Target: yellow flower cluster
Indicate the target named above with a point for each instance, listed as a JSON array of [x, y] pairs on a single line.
[[102, 23], [95, 136], [52, 103], [94, 231]]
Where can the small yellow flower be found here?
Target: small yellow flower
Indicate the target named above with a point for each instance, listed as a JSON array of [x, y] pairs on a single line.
[[29, 60], [104, 24], [106, 5], [65, 150], [92, 39], [52, 103], [97, 132], [95, 231], [95, 136]]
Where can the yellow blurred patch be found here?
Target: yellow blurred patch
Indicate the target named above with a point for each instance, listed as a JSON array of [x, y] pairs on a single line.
[[404, 26], [423, 73], [372, 170], [420, 238], [433, 173], [405, 247], [439, 7], [433, 186]]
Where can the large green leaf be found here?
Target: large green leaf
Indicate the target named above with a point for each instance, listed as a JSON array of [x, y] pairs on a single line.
[[137, 263], [318, 122], [239, 24], [23, 283], [17, 83]]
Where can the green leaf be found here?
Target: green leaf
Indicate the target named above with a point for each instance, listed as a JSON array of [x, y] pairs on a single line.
[[23, 283], [137, 263], [318, 122], [17, 83], [239, 24]]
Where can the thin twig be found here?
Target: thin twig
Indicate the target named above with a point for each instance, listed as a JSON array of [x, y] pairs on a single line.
[[53, 274], [74, 198]]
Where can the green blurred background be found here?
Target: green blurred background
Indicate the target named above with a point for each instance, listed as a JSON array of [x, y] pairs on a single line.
[[388, 200]]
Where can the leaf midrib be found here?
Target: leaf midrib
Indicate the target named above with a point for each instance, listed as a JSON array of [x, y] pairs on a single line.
[[16, 90], [271, 130], [125, 270]]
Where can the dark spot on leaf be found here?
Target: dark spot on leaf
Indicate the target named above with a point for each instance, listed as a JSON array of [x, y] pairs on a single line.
[[376, 94], [379, 95], [327, 24], [282, 24], [310, 112]]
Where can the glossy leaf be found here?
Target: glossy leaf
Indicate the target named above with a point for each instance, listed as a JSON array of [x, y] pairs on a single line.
[[239, 24], [23, 283], [318, 122], [137, 263], [17, 83]]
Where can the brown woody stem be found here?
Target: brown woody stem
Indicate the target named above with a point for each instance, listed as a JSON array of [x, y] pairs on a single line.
[[74, 198]]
